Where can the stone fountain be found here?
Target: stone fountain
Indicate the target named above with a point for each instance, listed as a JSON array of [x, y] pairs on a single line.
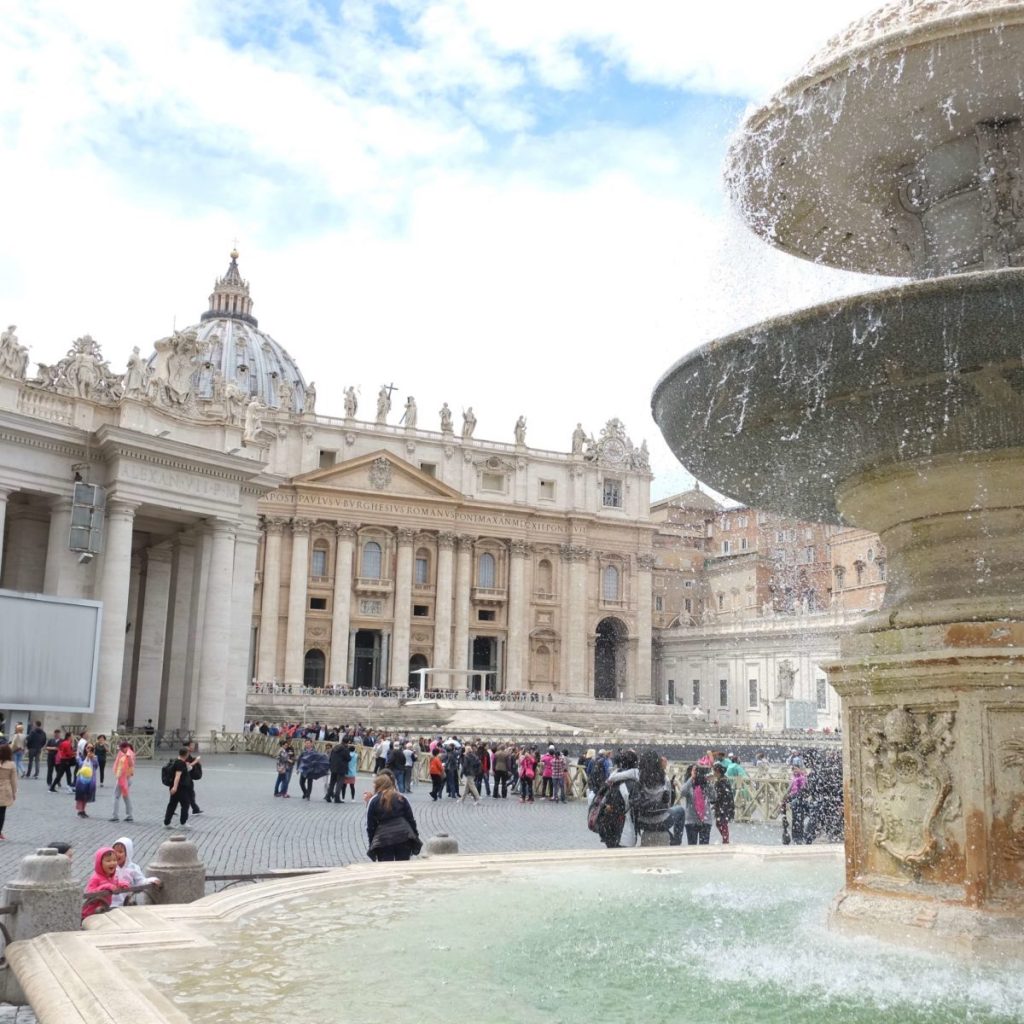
[[899, 150]]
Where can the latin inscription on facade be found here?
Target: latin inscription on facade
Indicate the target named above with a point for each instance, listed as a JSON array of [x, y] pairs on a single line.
[[181, 483]]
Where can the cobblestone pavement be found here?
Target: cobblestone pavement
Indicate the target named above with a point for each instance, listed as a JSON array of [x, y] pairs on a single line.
[[244, 829]]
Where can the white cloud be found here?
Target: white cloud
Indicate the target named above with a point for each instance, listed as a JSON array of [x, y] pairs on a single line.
[[386, 230]]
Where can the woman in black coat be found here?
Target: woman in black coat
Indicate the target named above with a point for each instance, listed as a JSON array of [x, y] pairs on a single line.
[[390, 825]]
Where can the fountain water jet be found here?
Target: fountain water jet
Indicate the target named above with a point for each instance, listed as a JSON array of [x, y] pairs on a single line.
[[900, 150]]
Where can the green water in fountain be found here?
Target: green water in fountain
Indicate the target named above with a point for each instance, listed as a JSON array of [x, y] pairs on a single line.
[[708, 940]]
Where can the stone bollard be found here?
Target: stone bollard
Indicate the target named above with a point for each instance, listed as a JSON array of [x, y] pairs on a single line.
[[46, 899], [179, 868], [440, 844]]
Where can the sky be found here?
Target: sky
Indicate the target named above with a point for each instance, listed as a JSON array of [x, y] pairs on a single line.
[[515, 205]]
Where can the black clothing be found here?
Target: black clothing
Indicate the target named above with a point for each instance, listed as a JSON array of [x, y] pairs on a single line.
[[393, 831], [183, 797]]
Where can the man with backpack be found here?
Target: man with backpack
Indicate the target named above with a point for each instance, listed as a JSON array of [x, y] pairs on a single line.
[[611, 811], [180, 786]]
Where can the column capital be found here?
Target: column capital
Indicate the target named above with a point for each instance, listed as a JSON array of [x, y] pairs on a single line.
[[273, 524], [406, 535], [645, 561], [466, 542], [121, 509], [446, 540], [573, 552], [159, 553], [520, 548], [346, 530], [216, 526], [301, 527], [58, 503]]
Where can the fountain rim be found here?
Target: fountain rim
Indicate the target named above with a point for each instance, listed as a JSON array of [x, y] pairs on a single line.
[[817, 71]]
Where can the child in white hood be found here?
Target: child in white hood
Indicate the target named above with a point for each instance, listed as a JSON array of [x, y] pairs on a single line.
[[128, 873]]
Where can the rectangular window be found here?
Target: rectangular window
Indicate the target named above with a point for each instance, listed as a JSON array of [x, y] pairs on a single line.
[[318, 604], [659, 603], [421, 611], [612, 493], [492, 482], [422, 571], [546, 490], [688, 584], [725, 547], [743, 522], [743, 543], [485, 615], [725, 524], [327, 458], [822, 688], [780, 536], [696, 693], [319, 562], [430, 468], [752, 696], [688, 604], [809, 555], [723, 693], [808, 534]]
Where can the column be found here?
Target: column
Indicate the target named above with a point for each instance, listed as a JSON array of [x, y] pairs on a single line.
[[215, 651], [152, 635], [350, 676], [295, 630], [403, 610], [383, 668], [133, 625], [27, 541], [463, 583], [517, 626], [341, 642], [266, 665], [4, 495], [176, 644], [113, 590], [576, 629], [443, 605], [59, 576], [643, 684], [240, 668]]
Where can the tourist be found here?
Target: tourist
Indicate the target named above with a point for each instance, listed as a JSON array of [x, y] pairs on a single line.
[[51, 757], [451, 769], [8, 783], [337, 765], [500, 765], [724, 801], [101, 748], [470, 773], [697, 806], [103, 882], [180, 796], [195, 770], [285, 764], [513, 770], [795, 801], [618, 792], [652, 798], [527, 773], [558, 771], [396, 762], [128, 874], [35, 743], [545, 773], [352, 771], [734, 768], [85, 780], [18, 749], [483, 779], [437, 775], [309, 763], [124, 770], [409, 753], [390, 825]]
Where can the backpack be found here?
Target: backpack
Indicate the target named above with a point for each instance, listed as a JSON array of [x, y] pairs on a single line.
[[167, 772], [607, 814]]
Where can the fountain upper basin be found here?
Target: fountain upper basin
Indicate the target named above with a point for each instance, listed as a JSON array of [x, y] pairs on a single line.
[[780, 414]]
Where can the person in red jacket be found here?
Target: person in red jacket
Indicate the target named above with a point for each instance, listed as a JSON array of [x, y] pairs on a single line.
[[67, 761]]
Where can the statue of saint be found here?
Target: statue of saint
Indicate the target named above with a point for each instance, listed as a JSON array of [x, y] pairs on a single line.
[[383, 405], [253, 419], [446, 419], [520, 430], [468, 423], [309, 398], [787, 676], [13, 355], [285, 396], [233, 396], [351, 403], [579, 436], [136, 377], [409, 416]]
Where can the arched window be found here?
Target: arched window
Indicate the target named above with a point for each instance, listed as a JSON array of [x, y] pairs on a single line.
[[544, 577], [314, 669], [840, 572], [486, 570], [422, 577], [318, 559], [371, 561], [610, 583], [542, 664], [858, 568]]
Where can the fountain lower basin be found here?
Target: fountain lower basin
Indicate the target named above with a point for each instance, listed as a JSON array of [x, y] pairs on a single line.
[[653, 935]]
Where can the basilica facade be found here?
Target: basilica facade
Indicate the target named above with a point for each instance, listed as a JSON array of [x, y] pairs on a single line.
[[236, 535]]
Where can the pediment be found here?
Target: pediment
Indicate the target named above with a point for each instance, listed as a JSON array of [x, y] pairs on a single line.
[[379, 472]]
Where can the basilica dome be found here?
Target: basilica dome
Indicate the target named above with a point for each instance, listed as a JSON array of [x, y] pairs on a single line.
[[234, 350]]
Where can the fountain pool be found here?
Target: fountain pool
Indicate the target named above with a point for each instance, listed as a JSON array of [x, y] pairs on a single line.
[[645, 935]]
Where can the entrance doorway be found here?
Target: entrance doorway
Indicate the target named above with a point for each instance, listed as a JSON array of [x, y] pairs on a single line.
[[485, 659], [610, 659], [417, 661], [366, 674], [314, 670]]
